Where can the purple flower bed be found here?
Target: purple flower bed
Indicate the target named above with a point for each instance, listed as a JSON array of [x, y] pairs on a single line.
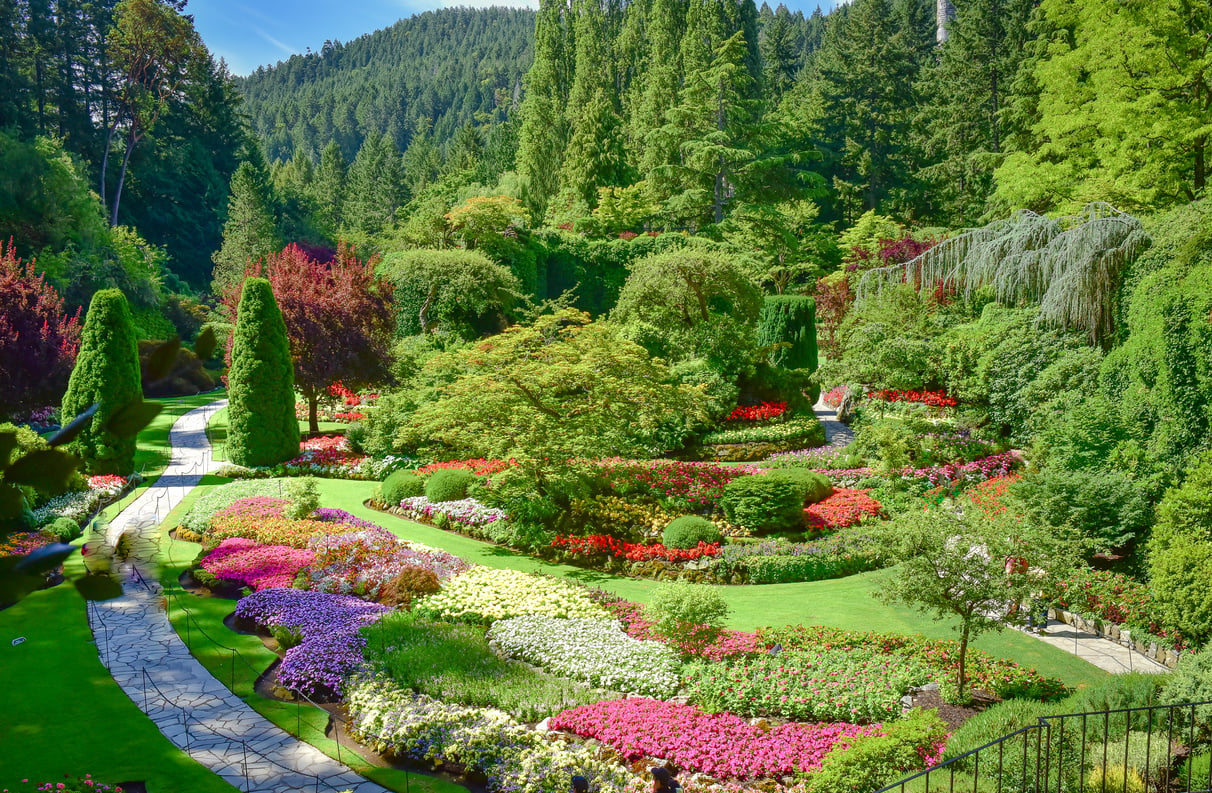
[[331, 646], [333, 515]]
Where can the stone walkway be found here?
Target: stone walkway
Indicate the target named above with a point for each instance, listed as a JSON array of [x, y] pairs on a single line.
[[1104, 653], [836, 433], [156, 670]]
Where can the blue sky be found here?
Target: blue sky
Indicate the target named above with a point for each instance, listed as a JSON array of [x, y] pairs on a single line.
[[252, 33]]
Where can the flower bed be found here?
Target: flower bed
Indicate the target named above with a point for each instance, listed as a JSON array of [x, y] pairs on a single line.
[[834, 396], [762, 412], [998, 676], [595, 651], [362, 562], [719, 744], [976, 471], [780, 562], [934, 399], [478, 466], [728, 643], [687, 482], [23, 542], [330, 648], [844, 507], [258, 566], [197, 520], [466, 512], [80, 505], [269, 530], [1115, 598], [484, 594], [399, 723], [858, 685], [805, 428], [605, 545]]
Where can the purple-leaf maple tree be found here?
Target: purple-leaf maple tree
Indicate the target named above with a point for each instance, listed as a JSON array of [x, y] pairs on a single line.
[[338, 317]]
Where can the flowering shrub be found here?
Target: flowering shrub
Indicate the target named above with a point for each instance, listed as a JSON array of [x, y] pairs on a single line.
[[763, 412], [988, 495], [726, 644], [331, 646], [845, 507], [595, 651], [255, 565], [859, 685], [719, 744], [84, 784], [936, 399], [690, 483], [806, 428], [834, 396], [362, 562], [998, 676], [604, 544], [1115, 598], [952, 473], [478, 466], [348, 417], [465, 511], [392, 720], [484, 594], [80, 505]]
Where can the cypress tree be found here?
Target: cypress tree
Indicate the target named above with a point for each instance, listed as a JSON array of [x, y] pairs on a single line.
[[791, 319], [262, 429], [106, 373]]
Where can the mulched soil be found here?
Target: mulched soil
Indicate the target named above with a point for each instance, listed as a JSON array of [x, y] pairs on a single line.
[[954, 715]]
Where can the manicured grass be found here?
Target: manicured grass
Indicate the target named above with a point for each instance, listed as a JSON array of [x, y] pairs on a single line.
[[216, 431], [64, 714], [843, 603]]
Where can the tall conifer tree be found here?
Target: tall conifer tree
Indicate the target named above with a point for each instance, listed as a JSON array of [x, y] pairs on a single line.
[[544, 131]]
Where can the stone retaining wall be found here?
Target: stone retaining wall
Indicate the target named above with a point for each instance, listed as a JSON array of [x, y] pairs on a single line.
[[1123, 636]]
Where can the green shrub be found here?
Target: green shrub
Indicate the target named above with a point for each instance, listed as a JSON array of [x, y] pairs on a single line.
[[65, 529], [813, 486], [1186, 510], [106, 373], [790, 569], [689, 530], [304, 498], [789, 320], [401, 485], [763, 503], [873, 761], [803, 430], [1108, 508], [262, 428], [449, 484], [1192, 682], [286, 637], [1144, 755], [689, 615], [1179, 577], [408, 585]]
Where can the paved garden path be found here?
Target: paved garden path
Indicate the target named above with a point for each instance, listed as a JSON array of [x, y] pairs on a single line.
[[836, 433], [157, 671]]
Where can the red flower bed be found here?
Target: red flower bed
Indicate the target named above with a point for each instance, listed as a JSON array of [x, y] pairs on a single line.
[[762, 412], [989, 495], [935, 399], [478, 466], [605, 544], [695, 483], [346, 418], [727, 643], [845, 507]]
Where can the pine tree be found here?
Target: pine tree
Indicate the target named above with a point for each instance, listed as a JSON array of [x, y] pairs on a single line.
[[262, 428], [328, 190], [374, 188], [106, 374], [250, 231], [544, 132], [781, 53], [422, 162], [658, 91]]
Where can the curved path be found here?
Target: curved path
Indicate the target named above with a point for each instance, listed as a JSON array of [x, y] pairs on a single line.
[[156, 670], [836, 433]]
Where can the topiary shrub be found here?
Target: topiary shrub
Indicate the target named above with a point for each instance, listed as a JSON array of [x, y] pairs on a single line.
[[399, 486], [411, 583], [449, 484], [689, 615], [763, 503], [106, 373], [65, 529], [262, 428], [689, 530], [813, 487], [304, 498], [789, 320]]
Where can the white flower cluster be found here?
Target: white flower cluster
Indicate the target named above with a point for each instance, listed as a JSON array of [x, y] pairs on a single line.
[[467, 511], [511, 756], [595, 651], [378, 468], [77, 505], [485, 594]]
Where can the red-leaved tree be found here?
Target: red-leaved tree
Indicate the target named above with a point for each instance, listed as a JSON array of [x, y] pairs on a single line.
[[338, 317], [38, 338]]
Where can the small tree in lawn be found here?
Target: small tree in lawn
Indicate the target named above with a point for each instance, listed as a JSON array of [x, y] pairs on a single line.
[[38, 339], [338, 317], [106, 374], [956, 565], [262, 428]]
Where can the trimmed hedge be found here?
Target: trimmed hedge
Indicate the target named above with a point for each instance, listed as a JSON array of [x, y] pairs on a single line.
[[688, 531], [763, 503], [449, 484], [401, 485], [789, 319]]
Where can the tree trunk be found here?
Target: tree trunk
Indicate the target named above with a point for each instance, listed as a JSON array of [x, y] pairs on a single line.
[[131, 139], [109, 142], [423, 315], [313, 411], [963, 662], [1200, 176]]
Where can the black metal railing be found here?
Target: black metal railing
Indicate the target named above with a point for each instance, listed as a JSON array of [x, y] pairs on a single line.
[[1153, 749]]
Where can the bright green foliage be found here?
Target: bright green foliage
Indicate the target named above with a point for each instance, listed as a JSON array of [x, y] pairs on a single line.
[[107, 373], [1179, 576], [867, 235], [790, 320], [455, 292], [813, 487], [401, 485], [1192, 682], [304, 497], [1186, 511], [689, 615], [449, 484], [688, 531], [763, 503], [544, 133], [1088, 140], [262, 428], [250, 232], [872, 761], [1108, 508]]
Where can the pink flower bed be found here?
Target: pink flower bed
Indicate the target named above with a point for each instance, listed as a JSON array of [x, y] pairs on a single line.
[[255, 565], [718, 744], [728, 643]]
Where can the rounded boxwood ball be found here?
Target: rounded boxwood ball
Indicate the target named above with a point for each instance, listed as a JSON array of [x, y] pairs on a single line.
[[401, 485], [449, 484], [814, 486], [763, 504], [689, 530]]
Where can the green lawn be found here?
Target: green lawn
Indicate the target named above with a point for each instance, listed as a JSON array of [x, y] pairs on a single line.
[[216, 431], [844, 602]]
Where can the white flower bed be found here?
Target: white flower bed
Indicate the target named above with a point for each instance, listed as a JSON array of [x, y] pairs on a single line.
[[467, 511], [484, 595], [512, 757], [79, 505], [595, 651]]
